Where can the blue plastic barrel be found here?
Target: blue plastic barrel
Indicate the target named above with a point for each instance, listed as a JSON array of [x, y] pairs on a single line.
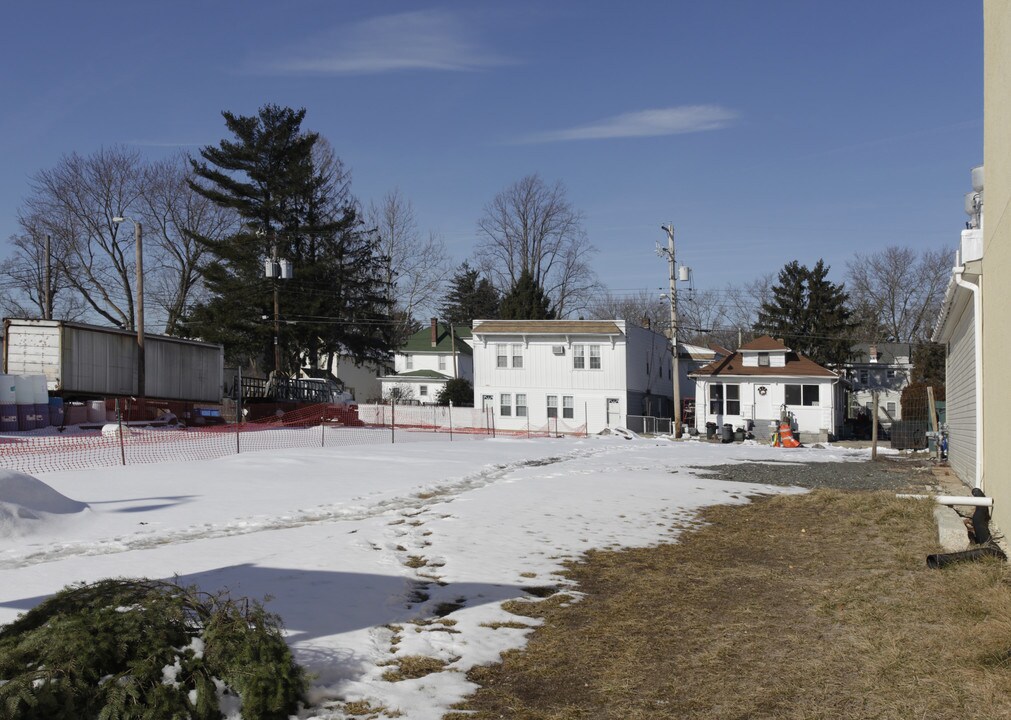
[[56, 411]]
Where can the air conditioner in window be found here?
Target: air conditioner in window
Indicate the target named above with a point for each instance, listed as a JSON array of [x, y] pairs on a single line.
[[557, 349]]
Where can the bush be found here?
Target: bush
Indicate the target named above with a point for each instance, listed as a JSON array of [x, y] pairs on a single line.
[[459, 391], [139, 648]]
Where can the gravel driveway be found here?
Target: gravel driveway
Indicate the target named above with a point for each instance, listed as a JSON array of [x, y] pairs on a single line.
[[886, 473]]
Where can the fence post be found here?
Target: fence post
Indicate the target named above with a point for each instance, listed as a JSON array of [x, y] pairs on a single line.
[[238, 410], [119, 419], [451, 421], [874, 427], [586, 421], [491, 414], [393, 421]]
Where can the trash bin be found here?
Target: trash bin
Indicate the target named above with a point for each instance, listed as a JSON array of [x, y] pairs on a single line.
[[728, 433], [739, 435], [710, 430]]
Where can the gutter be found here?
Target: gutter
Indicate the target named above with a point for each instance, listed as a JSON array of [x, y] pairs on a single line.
[[977, 319]]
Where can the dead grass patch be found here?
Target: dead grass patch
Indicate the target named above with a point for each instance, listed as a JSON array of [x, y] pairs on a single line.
[[802, 606], [412, 667], [363, 708], [508, 624], [415, 561]]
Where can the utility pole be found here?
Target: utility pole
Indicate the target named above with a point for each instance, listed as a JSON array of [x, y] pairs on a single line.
[[138, 237], [138, 233], [274, 271], [47, 302], [673, 295]]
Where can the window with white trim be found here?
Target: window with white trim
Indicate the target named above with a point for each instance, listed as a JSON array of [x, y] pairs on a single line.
[[505, 404], [865, 376], [517, 356], [501, 356], [552, 406], [578, 357], [733, 393], [423, 390], [803, 395], [716, 399], [442, 362], [891, 408], [567, 407], [521, 405], [724, 399], [409, 362], [763, 359], [595, 357]]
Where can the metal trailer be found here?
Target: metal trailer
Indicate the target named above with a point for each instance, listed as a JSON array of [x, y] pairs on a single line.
[[89, 361]]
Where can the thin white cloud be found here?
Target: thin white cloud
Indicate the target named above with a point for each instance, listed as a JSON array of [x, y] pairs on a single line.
[[162, 143], [644, 123], [422, 40]]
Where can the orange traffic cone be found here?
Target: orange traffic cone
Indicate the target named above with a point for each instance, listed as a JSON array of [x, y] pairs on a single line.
[[785, 436]]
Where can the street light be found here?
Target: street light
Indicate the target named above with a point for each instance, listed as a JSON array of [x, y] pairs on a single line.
[[138, 235]]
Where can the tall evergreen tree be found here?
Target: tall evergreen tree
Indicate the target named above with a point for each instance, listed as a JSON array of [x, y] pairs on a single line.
[[471, 297], [526, 301], [290, 192], [808, 312]]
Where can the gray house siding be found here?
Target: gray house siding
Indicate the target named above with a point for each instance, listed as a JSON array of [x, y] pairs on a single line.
[[961, 398]]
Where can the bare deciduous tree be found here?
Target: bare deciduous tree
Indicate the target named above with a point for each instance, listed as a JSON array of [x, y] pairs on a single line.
[[532, 226], [24, 276], [643, 308], [172, 214], [94, 258], [898, 292], [418, 268], [75, 202]]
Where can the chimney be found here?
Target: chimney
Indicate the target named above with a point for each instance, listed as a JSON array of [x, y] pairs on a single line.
[[873, 353], [435, 332]]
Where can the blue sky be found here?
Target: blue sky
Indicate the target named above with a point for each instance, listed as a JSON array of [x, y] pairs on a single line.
[[765, 131]]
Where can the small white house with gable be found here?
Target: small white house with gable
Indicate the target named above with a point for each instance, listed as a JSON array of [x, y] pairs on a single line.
[[427, 361], [570, 374], [750, 387]]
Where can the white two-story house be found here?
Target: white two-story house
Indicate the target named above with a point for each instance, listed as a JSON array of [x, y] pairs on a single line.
[[882, 368], [751, 387], [570, 374], [427, 361]]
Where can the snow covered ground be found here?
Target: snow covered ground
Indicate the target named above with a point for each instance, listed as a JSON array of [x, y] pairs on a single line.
[[350, 540]]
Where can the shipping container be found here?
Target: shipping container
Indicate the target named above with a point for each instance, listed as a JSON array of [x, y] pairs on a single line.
[[81, 360]]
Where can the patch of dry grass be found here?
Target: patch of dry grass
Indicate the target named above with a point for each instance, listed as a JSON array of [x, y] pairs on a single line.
[[802, 606], [363, 708], [411, 667]]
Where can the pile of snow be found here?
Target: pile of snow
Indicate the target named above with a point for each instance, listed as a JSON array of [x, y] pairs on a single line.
[[26, 501]]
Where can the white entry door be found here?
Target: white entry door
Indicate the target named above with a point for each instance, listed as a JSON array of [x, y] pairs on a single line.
[[613, 411]]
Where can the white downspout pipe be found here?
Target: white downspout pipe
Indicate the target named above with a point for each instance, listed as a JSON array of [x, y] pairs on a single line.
[[977, 319]]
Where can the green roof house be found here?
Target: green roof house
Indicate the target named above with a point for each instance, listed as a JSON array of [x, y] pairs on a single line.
[[427, 360]]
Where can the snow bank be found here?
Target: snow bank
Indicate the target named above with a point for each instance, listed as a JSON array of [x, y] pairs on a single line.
[[26, 501]]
